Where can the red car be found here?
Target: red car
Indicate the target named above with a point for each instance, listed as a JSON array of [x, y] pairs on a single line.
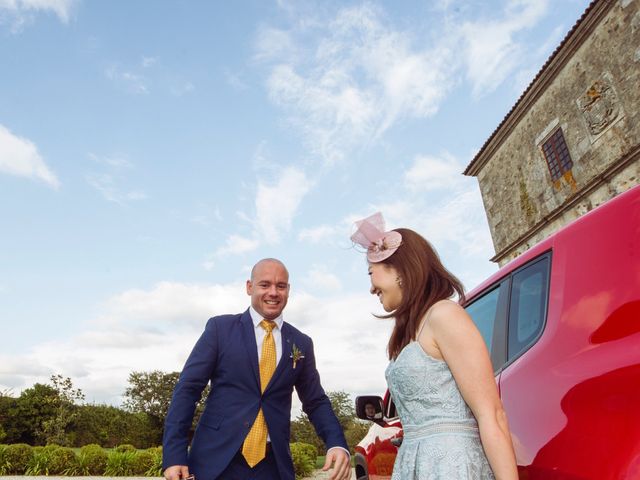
[[562, 323]]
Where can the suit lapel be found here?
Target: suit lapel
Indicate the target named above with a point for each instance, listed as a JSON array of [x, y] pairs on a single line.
[[249, 340]]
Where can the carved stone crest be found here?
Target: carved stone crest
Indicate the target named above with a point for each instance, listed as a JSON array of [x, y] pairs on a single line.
[[600, 106]]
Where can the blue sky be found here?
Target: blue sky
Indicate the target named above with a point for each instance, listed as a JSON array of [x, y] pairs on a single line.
[[152, 151]]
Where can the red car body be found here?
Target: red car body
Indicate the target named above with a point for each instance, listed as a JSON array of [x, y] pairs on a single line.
[[562, 323]]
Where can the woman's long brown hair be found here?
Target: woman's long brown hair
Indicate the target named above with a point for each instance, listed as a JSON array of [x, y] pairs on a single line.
[[425, 281]]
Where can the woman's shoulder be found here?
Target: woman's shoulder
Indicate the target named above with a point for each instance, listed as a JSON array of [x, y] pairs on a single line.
[[446, 312], [445, 306]]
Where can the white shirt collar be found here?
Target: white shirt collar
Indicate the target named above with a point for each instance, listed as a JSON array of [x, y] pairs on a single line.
[[256, 318]]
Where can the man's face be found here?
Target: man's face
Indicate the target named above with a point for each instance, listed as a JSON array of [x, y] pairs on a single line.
[[269, 289], [369, 410]]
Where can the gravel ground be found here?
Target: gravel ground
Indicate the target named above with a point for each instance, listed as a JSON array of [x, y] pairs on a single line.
[[320, 475]]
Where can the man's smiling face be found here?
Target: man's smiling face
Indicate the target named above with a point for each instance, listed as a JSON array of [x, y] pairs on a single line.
[[269, 288]]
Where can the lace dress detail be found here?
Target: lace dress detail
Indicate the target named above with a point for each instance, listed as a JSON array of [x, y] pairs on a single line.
[[441, 439]]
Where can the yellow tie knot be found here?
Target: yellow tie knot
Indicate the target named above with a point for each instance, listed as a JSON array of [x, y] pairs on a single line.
[[268, 325]]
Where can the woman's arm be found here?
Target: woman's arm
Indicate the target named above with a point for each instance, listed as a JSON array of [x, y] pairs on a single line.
[[453, 334]]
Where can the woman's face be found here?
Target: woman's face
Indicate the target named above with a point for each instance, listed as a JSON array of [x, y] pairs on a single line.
[[385, 284]]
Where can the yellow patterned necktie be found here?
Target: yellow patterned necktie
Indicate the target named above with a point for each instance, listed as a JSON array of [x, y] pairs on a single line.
[[255, 445]]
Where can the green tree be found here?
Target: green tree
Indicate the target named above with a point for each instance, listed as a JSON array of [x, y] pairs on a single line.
[[28, 414], [150, 393], [109, 426], [56, 428]]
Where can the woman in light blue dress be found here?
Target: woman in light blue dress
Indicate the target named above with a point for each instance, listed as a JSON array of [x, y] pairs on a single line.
[[440, 375]]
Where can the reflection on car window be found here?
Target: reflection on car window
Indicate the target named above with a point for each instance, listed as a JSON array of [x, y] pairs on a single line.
[[483, 313], [528, 306]]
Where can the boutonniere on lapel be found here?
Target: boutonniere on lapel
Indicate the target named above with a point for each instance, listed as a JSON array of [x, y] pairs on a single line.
[[296, 355]]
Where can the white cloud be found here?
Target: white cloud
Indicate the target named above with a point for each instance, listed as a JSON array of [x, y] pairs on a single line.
[[357, 81], [430, 173], [321, 233], [149, 61], [319, 278], [172, 303], [106, 185], [144, 330], [235, 80], [277, 204], [491, 53], [349, 342], [19, 13], [109, 183], [182, 89], [273, 43], [443, 206], [128, 81], [117, 161], [237, 244], [20, 157], [527, 72]]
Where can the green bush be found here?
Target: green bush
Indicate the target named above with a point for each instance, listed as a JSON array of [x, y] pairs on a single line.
[[142, 462], [155, 470], [310, 451], [17, 457], [304, 458], [92, 460], [4, 466], [39, 462], [125, 447], [63, 461], [52, 460], [120, 463]]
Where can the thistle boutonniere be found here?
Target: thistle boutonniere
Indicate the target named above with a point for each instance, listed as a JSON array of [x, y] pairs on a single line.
[[296, 355]]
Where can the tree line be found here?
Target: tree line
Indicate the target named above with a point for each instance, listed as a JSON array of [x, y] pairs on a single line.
[[55, 413]]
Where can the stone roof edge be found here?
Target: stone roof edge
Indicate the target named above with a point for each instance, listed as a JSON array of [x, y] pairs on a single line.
[[580, 31]]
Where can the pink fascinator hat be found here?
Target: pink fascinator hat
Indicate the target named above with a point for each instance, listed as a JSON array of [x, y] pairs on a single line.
[[371, 235]]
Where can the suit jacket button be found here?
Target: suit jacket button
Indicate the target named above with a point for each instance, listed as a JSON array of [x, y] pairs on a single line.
[[246, 424]]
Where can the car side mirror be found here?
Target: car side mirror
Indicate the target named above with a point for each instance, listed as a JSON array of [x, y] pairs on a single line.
[[369, 407]]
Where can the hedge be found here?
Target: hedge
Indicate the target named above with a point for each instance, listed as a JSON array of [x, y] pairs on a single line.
[[123, 460], [92, 460]]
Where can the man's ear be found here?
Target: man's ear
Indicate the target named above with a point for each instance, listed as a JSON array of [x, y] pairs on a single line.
[[249, 287]]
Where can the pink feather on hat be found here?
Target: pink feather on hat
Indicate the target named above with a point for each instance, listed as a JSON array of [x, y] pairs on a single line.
[[371, 235]]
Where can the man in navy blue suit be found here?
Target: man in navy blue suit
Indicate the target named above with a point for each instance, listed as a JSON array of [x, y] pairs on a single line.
[[228, 354]]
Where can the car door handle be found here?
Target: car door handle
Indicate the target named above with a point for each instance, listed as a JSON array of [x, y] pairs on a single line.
[[396, 441]]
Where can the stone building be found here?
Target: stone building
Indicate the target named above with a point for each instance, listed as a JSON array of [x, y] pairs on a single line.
[[572, 140]]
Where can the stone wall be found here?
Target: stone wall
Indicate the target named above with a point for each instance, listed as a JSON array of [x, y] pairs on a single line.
[[595, 99]]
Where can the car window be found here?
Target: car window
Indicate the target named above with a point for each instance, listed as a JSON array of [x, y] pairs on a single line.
[[391, 409], [528, 306], [483, 313]]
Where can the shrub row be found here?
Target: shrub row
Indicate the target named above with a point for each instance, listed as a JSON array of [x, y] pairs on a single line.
[[122, 461]]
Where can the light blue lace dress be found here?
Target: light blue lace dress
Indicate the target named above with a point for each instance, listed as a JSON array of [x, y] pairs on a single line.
[[441, 440]]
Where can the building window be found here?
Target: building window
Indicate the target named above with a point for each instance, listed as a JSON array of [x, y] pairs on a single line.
[[557, 155]]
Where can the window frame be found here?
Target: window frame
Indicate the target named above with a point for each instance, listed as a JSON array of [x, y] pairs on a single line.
[[546, 257], [561, 170], [497, 352], [500, 339]]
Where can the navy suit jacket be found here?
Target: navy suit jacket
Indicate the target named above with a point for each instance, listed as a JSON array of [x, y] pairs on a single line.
[[227, 356]]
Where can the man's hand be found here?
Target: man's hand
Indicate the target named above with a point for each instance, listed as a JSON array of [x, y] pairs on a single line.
[[341, 464], [176, 472]]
